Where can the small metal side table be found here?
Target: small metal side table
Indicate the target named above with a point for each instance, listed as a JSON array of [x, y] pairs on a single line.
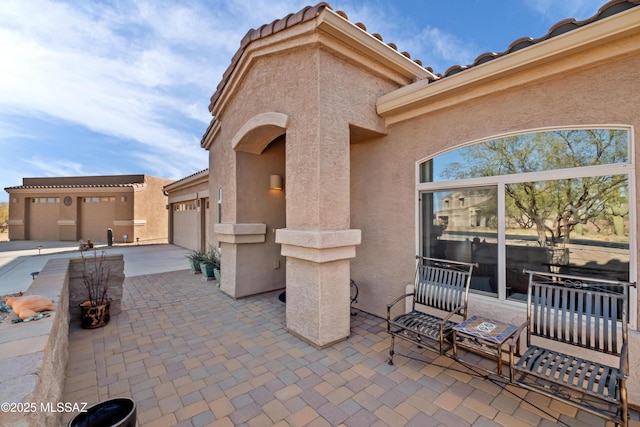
[[484, 336]]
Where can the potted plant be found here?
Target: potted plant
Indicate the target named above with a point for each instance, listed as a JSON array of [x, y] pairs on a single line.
[[195, 258], [218, 263], [210, 263], [95, 309], [86, 246]]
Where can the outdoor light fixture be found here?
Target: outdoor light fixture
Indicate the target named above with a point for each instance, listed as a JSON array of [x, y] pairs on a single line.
[[275, 182]]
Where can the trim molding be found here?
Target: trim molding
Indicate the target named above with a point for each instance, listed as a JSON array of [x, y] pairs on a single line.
[[129, 222], [424, 97], [319, 246], [240, 233]]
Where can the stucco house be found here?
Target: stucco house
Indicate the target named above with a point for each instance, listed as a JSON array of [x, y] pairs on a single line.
[[189, 210], [85, 207], [534, 146]]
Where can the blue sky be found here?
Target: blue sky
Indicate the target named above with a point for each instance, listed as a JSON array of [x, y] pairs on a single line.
[[119, 87]]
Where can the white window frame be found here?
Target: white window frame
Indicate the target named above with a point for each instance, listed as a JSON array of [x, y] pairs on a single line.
[[558, 174]]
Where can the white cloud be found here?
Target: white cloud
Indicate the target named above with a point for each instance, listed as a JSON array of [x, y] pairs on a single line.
[[9, 130], [554, 10], [445, 48], [127, 69], [143, 70], [435, 47], [54, 167], [158, 166], [120, 70]]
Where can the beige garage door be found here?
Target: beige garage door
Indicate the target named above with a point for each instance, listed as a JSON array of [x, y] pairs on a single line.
[[96, 216], [44, 213], [186, 225]]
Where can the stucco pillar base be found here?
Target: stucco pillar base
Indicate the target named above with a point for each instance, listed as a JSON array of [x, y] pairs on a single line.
[[318, 275], [232, 236], [244, 269]]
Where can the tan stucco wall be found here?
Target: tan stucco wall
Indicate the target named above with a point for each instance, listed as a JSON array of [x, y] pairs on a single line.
[[43, 218], [150, 213], [96, 218], [295, 98], [383, 171], [84, 221], [18, 209], [335, 181], [56, 221], [318, 110], [124, 214], [321, 96], [383, 181], [259, 204], [244, 180], [188, 228]]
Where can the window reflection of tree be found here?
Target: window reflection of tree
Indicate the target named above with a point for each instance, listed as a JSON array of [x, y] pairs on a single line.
[[590, 210]]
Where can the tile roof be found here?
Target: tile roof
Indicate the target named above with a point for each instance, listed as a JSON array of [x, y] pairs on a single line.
[[190, 176], [31, 187], [306, 14], [186, 178], [310, 12], [564, 26], [97, 181], [290, 20]]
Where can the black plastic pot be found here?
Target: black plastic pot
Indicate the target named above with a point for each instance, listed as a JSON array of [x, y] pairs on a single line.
[[119, 412]]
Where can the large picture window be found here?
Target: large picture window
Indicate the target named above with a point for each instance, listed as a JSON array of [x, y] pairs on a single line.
[[553, 200]]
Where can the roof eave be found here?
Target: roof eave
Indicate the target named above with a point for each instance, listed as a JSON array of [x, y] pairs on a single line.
[[59, 188], [330, 23], [196, 178], [366, 44], [413, 100]]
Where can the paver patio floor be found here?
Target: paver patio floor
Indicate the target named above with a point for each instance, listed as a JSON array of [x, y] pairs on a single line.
[[189, 355]]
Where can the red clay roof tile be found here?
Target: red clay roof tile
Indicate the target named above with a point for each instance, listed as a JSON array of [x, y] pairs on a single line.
[[564, 26], [310, 12]]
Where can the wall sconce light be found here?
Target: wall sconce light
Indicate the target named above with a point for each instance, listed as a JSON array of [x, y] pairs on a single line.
[[275, 182]]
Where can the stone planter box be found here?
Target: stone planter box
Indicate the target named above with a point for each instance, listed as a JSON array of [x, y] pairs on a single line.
[[33, 361]]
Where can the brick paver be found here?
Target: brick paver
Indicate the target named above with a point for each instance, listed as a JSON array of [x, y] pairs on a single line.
[[190, 355]]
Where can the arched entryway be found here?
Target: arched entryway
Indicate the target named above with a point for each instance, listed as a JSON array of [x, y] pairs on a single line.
[[251, 259]]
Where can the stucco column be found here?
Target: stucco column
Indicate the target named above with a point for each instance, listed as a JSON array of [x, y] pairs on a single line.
[[318, 273], [237, 244], [318, 242]]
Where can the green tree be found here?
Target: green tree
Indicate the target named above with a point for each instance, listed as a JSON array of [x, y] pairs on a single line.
[[4, 214], [553, 207]]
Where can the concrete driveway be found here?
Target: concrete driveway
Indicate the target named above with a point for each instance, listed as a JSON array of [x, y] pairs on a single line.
[[18, 259]]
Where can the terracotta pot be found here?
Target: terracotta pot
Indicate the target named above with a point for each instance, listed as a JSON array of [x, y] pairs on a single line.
[[95, 317]]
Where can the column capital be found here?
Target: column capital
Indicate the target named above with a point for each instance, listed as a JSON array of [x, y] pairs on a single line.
[[319, 245], [240, 233]]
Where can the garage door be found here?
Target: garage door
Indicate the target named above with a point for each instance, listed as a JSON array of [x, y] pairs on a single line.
[[186, 225], [97, 215], [44, 213]]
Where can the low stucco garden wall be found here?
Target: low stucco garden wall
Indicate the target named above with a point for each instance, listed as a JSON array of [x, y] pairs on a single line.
[[33, 355]]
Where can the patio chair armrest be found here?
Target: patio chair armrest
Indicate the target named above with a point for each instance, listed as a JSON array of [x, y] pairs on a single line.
[[401, 297], [394, 302], [456, 310]]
